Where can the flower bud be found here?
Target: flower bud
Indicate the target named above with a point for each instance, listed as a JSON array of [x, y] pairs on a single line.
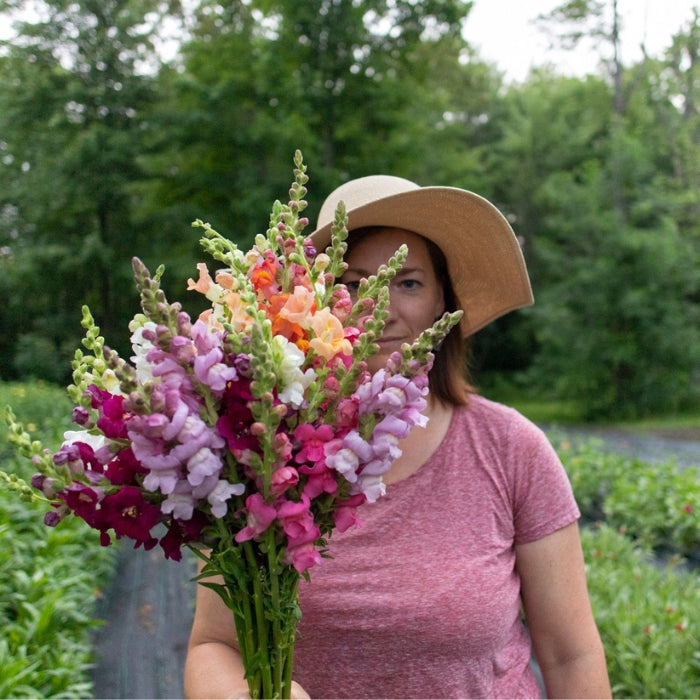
[[53, 517], [184, 324], [309, 249], [322, 262], [45, 484], [281, 410], [81, 415]]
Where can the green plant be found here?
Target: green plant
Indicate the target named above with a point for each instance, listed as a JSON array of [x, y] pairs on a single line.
[[648, 617], [657, 504], [49, 578], [591, 471]]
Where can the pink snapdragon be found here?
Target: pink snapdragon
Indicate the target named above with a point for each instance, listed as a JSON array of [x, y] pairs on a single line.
[[283, 479], [303, 556], [312, 441], [259, 516], [302, 532], [346, 513], [320, 480]]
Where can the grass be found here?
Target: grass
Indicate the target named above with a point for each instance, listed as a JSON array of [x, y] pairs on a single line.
[[545, 411]]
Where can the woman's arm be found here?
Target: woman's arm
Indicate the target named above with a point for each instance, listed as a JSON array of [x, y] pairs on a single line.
[[214, 668], [564, 634]]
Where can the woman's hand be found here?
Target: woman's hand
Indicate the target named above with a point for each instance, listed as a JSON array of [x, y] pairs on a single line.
[[298, 693]]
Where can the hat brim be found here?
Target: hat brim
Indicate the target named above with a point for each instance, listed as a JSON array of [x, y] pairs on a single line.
[[484, 259]]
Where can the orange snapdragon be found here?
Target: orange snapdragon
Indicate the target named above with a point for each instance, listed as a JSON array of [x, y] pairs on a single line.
[[240, 318], [329, 336], [299, 306], [264, 275], [281, 325], [224, 279], [203, 284]]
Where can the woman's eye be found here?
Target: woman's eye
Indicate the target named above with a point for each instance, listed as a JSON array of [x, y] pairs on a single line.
[[409, 284], [353, 286]]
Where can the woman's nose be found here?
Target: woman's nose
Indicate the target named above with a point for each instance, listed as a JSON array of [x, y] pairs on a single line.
[[392, 311]]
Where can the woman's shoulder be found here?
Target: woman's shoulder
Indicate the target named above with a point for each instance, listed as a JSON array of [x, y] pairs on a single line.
[[497, 422], [481, 409]]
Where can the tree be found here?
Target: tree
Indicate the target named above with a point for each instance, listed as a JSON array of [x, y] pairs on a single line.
[[335, 78], [221, 139], [71, 103], [616, 320]]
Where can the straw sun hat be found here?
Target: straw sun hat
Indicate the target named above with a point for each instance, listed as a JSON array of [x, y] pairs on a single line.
[[483, 256]]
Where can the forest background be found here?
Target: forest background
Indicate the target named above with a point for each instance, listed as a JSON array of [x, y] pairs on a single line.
[[108, 151]]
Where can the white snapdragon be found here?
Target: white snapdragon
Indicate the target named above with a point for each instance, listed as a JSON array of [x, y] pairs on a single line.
[[292, 382]]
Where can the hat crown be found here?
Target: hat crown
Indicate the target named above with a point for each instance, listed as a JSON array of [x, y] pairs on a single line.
[[362, 191]]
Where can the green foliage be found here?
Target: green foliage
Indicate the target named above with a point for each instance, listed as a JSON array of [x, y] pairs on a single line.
[[614, 258], [49, 578], [622, 332], [657, 505], [648, 617], [72, 101], [106, 154], [646, 608], [45, 410]]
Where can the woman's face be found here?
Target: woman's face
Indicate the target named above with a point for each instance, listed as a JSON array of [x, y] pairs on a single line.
[[416, 297]]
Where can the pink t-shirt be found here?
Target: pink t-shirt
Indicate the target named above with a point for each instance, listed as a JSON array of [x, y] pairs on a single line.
[[423, 601]]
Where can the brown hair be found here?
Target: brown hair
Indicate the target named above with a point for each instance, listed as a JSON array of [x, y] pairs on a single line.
[[449, 376]]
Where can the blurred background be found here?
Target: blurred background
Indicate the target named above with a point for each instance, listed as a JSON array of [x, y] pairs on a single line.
[[121, 121]]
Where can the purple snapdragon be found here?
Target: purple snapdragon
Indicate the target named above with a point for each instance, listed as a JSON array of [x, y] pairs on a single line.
[[396, 403]]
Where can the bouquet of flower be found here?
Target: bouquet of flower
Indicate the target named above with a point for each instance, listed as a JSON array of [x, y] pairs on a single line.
[[248, 435]]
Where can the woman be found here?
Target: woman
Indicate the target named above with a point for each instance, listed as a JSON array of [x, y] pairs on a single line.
[[478, 521]]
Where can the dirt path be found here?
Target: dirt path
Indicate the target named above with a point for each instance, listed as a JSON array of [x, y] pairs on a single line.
[[148, 613], [650, 448], [148, 608]]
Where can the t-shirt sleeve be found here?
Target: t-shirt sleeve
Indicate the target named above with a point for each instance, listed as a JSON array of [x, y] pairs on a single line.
[[543, 500]]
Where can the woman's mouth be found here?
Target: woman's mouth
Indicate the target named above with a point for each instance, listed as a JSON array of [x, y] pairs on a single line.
[[391, 340]]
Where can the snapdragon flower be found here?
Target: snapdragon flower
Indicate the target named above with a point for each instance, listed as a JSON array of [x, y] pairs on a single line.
[[288, 360]]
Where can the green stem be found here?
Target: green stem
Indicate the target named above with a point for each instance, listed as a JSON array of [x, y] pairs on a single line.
[[290, 635], [260, 622], [237, 581], [278, 650], [245, 631]]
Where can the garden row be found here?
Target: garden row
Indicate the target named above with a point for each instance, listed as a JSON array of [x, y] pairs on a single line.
[[647, 612], [50, 578], [642, 547]]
